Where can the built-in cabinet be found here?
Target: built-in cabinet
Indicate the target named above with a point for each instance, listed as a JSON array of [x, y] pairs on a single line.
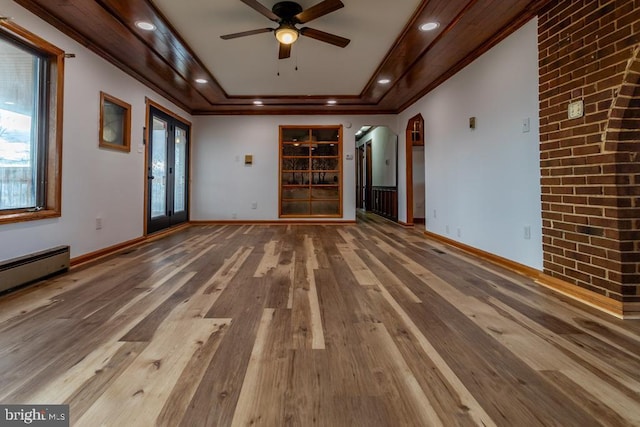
[[310, 171]]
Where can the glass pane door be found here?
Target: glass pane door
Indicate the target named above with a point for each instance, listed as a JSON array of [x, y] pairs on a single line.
[[180, 161], [168, 171], [159, 138]]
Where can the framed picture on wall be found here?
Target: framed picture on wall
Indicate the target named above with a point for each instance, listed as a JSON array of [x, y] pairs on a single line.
[[115, 123]]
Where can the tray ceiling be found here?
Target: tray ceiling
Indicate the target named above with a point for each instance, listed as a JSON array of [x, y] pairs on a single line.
[[385, 43]]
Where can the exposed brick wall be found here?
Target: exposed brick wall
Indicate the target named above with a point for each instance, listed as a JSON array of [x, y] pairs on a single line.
[[590, 166]]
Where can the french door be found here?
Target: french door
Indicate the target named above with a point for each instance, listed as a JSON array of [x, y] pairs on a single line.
[[167, 171]]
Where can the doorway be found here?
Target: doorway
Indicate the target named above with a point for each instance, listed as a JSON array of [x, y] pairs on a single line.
[[167, 170]]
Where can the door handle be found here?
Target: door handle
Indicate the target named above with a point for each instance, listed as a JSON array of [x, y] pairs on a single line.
[[150, 177]]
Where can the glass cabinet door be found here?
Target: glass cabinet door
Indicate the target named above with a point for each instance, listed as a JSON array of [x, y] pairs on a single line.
[[310, 171]]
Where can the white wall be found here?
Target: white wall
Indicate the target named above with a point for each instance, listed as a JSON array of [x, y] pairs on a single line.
[[95, 182], [223, 188], [383, 157], [483, 185]]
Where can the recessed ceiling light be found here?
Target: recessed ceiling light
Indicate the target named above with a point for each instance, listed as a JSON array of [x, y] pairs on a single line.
[[429, 26], [384, 81], [144, 25], [202, 81], [258, 103], [332, 102]]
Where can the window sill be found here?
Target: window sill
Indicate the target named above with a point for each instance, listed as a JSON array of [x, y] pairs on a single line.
[[23, 216]]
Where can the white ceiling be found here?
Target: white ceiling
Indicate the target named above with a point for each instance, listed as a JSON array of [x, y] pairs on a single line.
[[250, 65]]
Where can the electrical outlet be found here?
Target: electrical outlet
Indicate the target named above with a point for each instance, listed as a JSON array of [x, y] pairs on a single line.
[[527, 232], [234, 215], [526, 125], [254, 205], [459, 232], [447, 229], [98, 223], [434, 214]]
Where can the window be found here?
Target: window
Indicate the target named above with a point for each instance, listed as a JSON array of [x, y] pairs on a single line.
[[311, 171], [115, 123], [30, 125]]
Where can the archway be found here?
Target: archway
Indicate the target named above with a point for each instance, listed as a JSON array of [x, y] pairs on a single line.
[[414, 138]]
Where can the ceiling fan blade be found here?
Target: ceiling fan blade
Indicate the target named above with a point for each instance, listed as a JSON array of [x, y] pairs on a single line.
[[246, 33], [323, 8], [285, 51], [261, 9], [324, 37]]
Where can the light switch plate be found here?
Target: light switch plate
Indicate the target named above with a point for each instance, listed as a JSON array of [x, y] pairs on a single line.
[[576, 109]]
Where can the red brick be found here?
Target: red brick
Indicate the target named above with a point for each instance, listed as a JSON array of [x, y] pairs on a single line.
[[589, 190], [575, 200], [587, 170], [578, 275], [586, 150], [610, 82], [599, 252], [573, 161], [575, 219], [588, 211], [591, 270], [584, 48], [568, 180], [573, 142]]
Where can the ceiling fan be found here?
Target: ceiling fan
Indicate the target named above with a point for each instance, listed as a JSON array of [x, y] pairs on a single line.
[[288, 14]]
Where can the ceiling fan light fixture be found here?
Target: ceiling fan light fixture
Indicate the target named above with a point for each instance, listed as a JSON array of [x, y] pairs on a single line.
[[384, 81], [286, 34]]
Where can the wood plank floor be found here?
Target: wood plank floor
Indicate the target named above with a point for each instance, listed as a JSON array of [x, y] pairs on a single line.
[[300, 325]]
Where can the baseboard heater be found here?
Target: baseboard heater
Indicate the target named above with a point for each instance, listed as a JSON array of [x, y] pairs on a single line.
[[26, 269]]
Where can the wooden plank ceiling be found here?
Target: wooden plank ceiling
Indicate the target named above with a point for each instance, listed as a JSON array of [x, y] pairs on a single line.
[[163, 61]]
